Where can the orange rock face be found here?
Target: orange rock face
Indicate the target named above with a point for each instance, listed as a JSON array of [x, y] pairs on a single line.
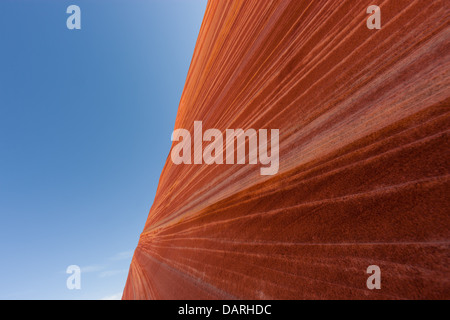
[[364, 119]]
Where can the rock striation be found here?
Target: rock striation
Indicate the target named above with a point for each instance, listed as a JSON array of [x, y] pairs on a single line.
[[363, 118]]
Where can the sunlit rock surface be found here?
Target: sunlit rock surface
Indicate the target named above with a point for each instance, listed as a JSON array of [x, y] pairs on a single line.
[[364, 124]]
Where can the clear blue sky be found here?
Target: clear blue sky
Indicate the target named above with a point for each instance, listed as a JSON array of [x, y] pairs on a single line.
[[85, 123]]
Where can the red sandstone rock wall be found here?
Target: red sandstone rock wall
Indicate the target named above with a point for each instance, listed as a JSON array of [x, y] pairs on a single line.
[[364, 124]]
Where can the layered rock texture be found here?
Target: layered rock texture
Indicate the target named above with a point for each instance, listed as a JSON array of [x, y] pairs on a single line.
[[364, 119]]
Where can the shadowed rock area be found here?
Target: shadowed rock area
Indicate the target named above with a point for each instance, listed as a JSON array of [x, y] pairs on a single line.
[[364, 151]]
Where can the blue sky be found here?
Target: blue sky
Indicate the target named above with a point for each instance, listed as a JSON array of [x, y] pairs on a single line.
[[85, 123]]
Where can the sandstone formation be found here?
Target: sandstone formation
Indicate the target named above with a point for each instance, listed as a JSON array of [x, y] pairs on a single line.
[[364, 119]]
